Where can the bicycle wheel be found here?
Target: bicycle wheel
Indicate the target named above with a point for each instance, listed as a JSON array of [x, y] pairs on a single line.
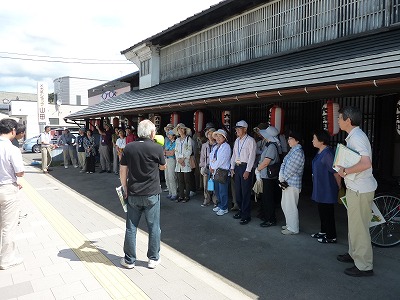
[[388, 233]]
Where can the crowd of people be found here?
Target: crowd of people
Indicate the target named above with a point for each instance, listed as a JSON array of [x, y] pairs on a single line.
[[280, 172], [268, 159], [88, 147]]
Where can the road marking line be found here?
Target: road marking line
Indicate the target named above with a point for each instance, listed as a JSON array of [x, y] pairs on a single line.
[[114, 281]]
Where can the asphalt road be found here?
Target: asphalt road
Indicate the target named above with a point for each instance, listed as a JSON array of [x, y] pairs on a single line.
[[259, 260]]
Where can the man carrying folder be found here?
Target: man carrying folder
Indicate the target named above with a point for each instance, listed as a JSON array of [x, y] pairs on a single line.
[[359, 195]]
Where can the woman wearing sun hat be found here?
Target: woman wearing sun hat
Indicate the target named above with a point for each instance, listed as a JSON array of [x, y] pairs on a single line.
[[183, 151], [204, 165], [269, 156], [220, 157]]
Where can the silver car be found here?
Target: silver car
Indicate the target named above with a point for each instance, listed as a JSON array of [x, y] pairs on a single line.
[[31, 145]]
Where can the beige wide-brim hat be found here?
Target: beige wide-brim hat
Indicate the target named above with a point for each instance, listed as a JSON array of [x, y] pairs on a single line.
[[221, 132], [181, 125], [168, 127]]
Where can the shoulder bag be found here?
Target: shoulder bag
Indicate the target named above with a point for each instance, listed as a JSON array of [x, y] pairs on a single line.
[[273, 170], [221, 175]]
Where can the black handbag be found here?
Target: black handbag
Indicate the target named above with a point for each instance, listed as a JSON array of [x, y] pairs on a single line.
[[221, 175], [273, 170]]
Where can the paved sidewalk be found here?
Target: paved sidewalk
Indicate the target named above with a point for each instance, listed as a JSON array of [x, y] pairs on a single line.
[[72, 247]]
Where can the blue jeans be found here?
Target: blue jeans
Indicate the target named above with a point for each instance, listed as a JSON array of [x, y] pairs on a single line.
[[150, 206], [221, 190]]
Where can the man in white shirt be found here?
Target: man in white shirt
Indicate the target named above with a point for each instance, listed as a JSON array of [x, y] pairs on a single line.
[[11, 167], [45, 140], [359, 195], [242, 162]]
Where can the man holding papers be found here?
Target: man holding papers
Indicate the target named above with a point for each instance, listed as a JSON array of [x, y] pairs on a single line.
[[360, 194]]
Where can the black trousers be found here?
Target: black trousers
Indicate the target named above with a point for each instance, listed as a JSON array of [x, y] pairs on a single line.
[[327, 217], [269, 195], [90, 163], [184, 184], [243, 191]]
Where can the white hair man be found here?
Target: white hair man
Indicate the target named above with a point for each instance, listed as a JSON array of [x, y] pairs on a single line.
[[140, 163]]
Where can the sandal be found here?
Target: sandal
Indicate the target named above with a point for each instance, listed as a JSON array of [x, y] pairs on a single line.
[[186, 199], [179, 200], [205, 204], [325, 240]]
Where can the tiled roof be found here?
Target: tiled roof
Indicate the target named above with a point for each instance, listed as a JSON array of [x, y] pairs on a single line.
[[365, 57]]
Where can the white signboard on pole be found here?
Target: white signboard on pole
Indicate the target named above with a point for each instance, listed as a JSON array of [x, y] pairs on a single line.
[[43, 97]]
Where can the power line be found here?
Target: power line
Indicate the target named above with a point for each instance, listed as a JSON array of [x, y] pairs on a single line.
[[59, 57], [67, 62]]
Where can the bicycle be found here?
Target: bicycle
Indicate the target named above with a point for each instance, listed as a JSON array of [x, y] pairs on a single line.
[[387, 234]]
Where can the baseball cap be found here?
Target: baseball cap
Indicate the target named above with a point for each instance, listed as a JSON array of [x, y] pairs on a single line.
[[242, 123]]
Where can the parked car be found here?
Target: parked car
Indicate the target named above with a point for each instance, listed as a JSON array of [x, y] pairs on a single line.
[[31, 145]]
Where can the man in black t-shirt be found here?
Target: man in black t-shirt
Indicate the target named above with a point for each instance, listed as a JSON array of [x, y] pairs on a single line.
[[139, 174]]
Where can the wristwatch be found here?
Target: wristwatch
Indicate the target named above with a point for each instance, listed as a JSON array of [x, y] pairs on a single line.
[[344, 172]]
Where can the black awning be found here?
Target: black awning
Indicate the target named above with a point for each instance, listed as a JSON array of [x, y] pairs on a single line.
[[350, 60]]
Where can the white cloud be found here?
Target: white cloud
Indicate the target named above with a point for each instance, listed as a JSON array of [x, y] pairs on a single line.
[[82, 29]]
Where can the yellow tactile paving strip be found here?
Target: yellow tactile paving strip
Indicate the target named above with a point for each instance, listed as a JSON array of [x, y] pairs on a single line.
[[113, 280]]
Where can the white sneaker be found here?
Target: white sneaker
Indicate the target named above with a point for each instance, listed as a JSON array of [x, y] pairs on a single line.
[[66, 167], [216, 209], [125, 264], [17, 261], [153, 263], [76, 166], [222, 212], [192, 194]]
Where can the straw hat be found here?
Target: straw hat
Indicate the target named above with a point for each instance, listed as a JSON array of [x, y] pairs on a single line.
[[181, 125], [168, 127]]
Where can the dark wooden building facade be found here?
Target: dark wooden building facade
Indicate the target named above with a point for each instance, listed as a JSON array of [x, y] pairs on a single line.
[[246, 56]]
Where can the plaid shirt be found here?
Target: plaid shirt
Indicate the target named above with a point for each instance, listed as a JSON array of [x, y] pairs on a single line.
[[292, 167]]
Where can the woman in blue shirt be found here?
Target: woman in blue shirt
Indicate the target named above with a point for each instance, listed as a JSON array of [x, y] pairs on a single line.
[[326, 184], [220, 157]]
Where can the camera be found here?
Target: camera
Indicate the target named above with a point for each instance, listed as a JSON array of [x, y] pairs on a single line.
[[283, 184]]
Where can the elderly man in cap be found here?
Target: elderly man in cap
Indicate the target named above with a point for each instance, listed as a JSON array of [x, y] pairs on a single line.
[[105, 148], [242, 162]]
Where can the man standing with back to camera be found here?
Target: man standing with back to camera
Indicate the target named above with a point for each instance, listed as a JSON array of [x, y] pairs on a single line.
[[359, 195], [140, 163], [11, 167]]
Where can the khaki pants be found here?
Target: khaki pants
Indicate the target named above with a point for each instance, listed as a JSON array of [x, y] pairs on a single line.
[[359, 215], [82, 160], [9, 210], [69, 153], [45, 156]]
